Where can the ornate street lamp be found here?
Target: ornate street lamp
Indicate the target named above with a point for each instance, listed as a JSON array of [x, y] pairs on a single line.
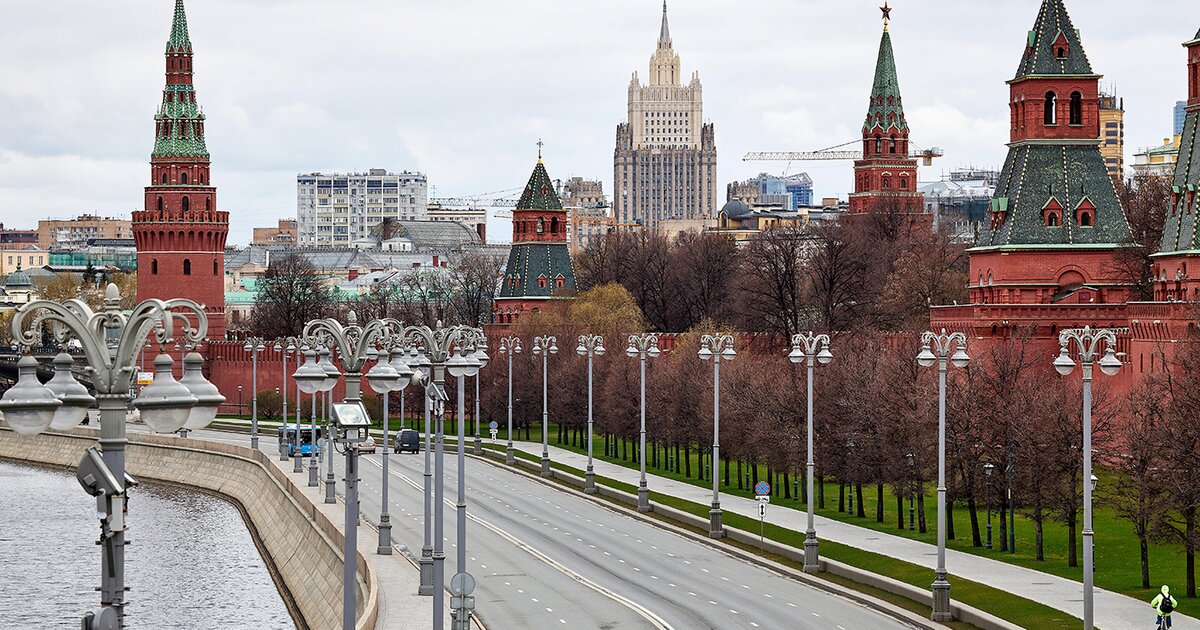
[[111, 340], [643, 346], [942, 344], [286, 346], [715, 348], [590, 346], [74, 396], [545, 346], [810, 349], [254, 345], [510, 346], [1088, 344]]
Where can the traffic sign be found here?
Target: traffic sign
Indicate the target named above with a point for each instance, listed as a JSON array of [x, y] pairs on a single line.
[[762, 510], [494, 432], [762, 489], [145, 378], [462, 584], [493, 425], [764, 499]]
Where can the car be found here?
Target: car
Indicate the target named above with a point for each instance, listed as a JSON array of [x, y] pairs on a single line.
[[367, 445], [407, 440]]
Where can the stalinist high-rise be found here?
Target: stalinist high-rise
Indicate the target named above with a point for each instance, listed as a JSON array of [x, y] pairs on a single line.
[[665, 163]]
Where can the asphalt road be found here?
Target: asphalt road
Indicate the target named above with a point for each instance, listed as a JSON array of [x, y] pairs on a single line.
[[683, 583], [548, 559]]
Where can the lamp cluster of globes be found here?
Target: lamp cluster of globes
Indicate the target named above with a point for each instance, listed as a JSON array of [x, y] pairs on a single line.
[[390, 375], [166, 405]]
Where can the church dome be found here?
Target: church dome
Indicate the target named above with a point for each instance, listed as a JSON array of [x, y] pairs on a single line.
[[735, 209], [17, 280]]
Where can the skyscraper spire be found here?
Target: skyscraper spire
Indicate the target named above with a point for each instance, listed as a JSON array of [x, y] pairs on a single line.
[[179, 41], [664, 35]]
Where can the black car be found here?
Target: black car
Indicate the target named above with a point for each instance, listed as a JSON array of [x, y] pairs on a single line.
[[407, 440]]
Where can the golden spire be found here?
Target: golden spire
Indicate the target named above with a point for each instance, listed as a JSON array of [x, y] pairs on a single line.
[[887, 15]]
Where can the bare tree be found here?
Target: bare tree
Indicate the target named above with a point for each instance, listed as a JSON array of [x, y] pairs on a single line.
[[771, 291], [290, 295], [474, 280], [1146, 200]]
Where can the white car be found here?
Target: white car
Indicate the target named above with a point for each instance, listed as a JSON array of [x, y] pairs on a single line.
[[367, 445]]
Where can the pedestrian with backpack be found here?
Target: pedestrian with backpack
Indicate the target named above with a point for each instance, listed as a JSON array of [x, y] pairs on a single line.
[[1164, 605]]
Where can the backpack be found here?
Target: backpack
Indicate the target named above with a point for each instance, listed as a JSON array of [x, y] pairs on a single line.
[[1166, 606]]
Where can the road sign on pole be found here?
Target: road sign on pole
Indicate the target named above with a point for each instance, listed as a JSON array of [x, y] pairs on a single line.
[[762, 489]]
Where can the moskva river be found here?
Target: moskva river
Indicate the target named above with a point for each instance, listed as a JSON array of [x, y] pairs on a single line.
[[191, 562]]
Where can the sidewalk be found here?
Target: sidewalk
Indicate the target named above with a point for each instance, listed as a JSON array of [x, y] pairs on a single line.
[[1113, 610]]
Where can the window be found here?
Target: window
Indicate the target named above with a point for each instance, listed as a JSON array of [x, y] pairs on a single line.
[[887, 182], [187, 267], [214, 267], [160, 204], [1076, 108], [1052, 219], [542, 281], [154, 267], [164, 178], [878, 144], [1051, 114], [892, 146], [903, 183], [201, 179], [554, 225], [1061, 52], [186, 205], [183, 178], [1085, 219], [207, 203], [541, 225]]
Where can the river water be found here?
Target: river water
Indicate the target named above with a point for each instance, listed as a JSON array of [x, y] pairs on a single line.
[[191, 564]]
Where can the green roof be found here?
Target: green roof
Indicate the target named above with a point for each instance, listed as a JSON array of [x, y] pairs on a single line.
[[1181, 230], [528, 264], [886, 110], [1052, 30], [1038, 178], [539, 192], [179, 32]]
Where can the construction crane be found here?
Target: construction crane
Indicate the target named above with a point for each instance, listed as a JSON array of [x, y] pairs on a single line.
[[833, 153]]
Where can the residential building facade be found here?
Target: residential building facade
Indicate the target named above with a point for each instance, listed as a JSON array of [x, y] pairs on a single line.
[[665, 162], [589, 215], [1112, 126], [1157, 161], [282, 234], [9, 236], [790, 192], [75, 233], [334, 209], [28, 257]]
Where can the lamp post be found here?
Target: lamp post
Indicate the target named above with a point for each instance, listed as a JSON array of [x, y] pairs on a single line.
[[590, 346], [810, 349], [391, 375], [471, 356], [1012, 510], [110, 340], [331, 377], [942, 344], [285, 346], [317, 450], [988, 469], [443, 349], [1088, 344], [716, 347], [545, 346], [912, 491], [481, 356], [423, 369], [643, 346], [254, 345], [850, 446], [354, 344], [510, 346]]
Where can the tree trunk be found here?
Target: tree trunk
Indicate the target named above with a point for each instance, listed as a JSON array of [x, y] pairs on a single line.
[[950, 519], [754, 474], [879, 503], [739, 473], [1004, 530], [687, 462], [1190, 545], [1038, 539], [1145, 559], [858, 494], [841, 496], [921, 512], [787, 486], [725, 460], [900, 511], [974, 513], [821, 492]]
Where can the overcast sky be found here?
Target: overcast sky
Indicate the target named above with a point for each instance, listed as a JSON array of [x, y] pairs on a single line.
[[463, 89]]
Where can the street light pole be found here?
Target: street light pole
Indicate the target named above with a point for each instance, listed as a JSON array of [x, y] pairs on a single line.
[[716, 347], [424, 369], [642, 346], [1087, 343], [254, 345], [590, 346], [912, 490], [943, 344], [510, 346], [988, 469], [811, 349], [388, 376], [331, 378], [285, 346], [110, 340], [545, 346]]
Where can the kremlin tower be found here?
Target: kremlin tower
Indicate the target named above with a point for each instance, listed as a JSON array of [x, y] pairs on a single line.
[[181, 235]]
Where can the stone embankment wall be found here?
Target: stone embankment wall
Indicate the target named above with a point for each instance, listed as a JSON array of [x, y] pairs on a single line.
[[301, 546]]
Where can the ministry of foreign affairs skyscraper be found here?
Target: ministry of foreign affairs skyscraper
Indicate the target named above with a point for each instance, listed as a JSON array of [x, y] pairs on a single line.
[[665, 163]]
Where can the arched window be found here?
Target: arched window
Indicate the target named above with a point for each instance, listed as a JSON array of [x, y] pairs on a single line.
[[214, 267], [560, 282], [187, 267], [1061, 52], [1076, 108], [201, 179], [892, 145], [541, 225], [186, 204], [903, 183], [160, 204], [554, 225], [542, 281], [887, 182], [1052, 219], [1051, 113], [154, 267], [207, 203], [183, 178], [164, 178], [1085, 219], [878, 145]]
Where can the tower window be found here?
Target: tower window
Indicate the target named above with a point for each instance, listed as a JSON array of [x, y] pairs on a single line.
[[1085, 219], [1051, 113], [160, 202], [1062, 52], [541, 226], [186, 205], [887, 182], [214, 267], [878, 145], [542, 282], [554, 225], [1076, 108], [892, 146], [1052, 219], [154, 267], [183, 178], [903, 183], [187, 267], [164, 178], [207, 203]]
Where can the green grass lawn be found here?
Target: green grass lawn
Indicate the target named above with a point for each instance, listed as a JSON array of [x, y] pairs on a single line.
[[1023, 612], [1118, 565]]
